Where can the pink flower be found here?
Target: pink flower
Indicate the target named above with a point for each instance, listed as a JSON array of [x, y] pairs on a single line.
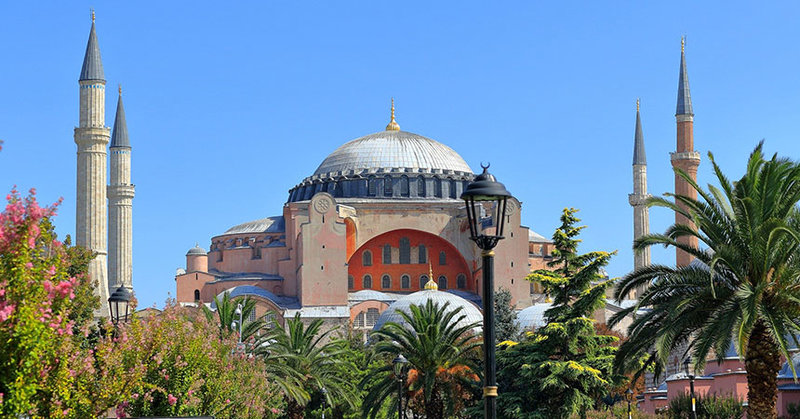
[[5, 310], [171, 399]]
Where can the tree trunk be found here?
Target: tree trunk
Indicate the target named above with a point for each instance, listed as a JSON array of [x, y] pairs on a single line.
[[762, 363]]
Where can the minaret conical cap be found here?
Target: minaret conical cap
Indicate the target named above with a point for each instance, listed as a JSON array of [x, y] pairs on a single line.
[[92, 64], [684, 95], [119, 135], [639, 156]]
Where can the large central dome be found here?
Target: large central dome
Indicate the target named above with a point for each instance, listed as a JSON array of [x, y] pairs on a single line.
[[392, 150]]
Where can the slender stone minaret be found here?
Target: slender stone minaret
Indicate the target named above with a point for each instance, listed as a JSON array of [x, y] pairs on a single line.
[[91, 136], [120, 197], [641, 213], [685, 158]]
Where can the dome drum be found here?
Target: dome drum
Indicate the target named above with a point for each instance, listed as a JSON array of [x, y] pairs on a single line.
[[373, 184]]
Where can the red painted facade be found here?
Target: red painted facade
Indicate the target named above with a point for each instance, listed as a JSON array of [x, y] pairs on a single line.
[[454, 265]]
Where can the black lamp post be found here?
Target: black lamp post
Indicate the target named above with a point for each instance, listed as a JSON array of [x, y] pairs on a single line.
[[629, 396], [400, 364], [485, 188], [119, 304], [686, 364], [324, 400]]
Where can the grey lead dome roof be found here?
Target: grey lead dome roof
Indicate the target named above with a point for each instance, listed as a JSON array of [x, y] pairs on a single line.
[[469, 310], [392, 149]]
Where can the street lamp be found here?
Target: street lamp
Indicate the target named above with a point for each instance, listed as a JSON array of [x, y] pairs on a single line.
[[629, 396], [238, 312], [399, 364], [485, 188], [324, 400], [686, 365], [119, 304]]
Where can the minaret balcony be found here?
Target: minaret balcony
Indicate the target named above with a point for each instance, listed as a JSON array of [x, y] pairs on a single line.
[[638, 200], [685, 155]]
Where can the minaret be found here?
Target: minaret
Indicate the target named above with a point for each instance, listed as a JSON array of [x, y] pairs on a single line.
[[91, 136], [641, 213], [685, 158], [120, 197]]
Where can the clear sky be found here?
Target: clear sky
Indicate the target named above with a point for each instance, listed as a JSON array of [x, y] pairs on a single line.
[[229, 105]]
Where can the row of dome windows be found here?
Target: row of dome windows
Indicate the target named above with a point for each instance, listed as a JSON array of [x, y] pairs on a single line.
[[386, 186], [405, 282], [405, 254]]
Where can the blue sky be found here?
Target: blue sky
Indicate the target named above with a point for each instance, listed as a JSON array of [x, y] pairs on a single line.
[[230, 105]]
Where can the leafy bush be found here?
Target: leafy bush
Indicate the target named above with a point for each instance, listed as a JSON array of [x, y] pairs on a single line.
[[710, 406]]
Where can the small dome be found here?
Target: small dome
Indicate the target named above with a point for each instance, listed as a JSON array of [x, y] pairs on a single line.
[[367, 295], [392, 150], [196, 251], [469, 310], [533, 316], [263, 225]]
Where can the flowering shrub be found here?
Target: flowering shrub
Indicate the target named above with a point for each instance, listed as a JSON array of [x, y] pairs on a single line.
[[189, 370]]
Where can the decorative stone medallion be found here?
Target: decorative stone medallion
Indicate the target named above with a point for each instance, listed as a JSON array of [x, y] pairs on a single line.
[[323, 204], [511, 207]]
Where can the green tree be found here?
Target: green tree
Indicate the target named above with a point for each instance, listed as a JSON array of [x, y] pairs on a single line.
[[505, 316], [442, 357], [228, 321], [313, 357], [565, 367], [745, 289]]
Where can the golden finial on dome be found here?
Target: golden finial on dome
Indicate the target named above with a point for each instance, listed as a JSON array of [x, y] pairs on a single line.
[[119, 88], [431, 284], [393, 124], [637, 104], [683, 44], [92, 15]]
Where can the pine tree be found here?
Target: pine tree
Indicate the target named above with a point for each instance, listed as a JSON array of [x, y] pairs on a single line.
[[565, 367], [505, 316]]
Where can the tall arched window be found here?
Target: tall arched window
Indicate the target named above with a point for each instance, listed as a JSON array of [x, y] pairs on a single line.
[[366, 258], [437, 187], [405, 282], [442, 258], [404, 186], [461, 281], [453, 189], [387, 254], [372, 316], [423, 279], [387, 185], [423, 254], [420, 186], [371, 186], [442, 282], [197, 295], [405, 250], [386, 282], [350, 282], [367, 282]]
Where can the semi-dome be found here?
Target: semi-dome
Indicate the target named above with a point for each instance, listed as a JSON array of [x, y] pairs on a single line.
[[392, 150], [469, 310]]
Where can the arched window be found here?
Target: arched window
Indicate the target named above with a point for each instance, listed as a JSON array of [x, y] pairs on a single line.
[[461, 281], [371, 186], [366, 258], [453, 189], [350, 282], [423, 254], [404, 186], [442, 282], [386, 282], [197, 295], [387, 254], [420, 186], [437, 187], [367, 282], [372, 316], [387, 185], [358, 322], [405, 250], [338, 192], [422, 281], [405, 282], [442, 258]]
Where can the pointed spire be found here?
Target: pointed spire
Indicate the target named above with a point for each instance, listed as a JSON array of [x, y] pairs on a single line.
[[119, 135], [684, 96], [393, 126], [431, 284], [92, 65], [639, 156]]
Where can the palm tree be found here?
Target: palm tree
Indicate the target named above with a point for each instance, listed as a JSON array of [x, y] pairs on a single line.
[[745, 290], [313, 358], [228, 319], [442, 355]]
